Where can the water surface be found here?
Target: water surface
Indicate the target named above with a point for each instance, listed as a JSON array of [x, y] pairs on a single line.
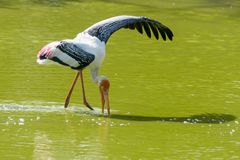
[[169, 100]]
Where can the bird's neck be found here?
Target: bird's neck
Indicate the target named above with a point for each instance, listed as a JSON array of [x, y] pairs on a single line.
[[96, 77]]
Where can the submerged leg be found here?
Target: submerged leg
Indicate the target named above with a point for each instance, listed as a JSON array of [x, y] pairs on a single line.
[[67, 99], [83, 91]]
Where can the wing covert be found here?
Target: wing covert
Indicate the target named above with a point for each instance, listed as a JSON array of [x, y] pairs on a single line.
[[80, 56]]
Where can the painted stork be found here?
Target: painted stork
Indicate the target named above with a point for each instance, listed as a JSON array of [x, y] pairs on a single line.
[[87, 49]]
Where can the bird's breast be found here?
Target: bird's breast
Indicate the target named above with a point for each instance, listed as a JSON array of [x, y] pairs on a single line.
[[99, 54]]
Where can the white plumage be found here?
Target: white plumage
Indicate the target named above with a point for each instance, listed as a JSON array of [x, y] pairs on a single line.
[[93, 46]]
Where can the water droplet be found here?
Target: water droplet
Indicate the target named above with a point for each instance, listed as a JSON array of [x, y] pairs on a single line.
[[21, 121]]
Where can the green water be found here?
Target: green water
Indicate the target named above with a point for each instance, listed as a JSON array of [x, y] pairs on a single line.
[[169, 100]]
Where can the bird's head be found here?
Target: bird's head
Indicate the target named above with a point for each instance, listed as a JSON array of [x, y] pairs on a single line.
[[104, 85], [46, 52]]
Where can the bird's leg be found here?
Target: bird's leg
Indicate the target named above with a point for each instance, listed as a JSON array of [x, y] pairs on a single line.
[[67, 99], [83, 91]]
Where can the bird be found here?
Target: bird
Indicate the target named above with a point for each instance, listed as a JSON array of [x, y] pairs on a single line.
[[87, 50]]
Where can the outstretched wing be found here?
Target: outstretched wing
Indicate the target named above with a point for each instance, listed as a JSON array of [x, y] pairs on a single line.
[[104, 29], [72, 55]]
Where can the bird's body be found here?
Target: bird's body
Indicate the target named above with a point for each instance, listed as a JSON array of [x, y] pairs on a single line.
[[87, 49], [95, 47]]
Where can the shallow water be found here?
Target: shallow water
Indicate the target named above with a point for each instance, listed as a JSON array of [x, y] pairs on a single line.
[[169, 100]]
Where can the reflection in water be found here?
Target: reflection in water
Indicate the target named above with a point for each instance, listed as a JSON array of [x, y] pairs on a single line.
[[92, 146], [83, 139], [87, 138], [42, 147]]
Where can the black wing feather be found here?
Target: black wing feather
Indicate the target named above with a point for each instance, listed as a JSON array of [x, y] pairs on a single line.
[[139, 27], [104, 29], [131, 26], [162, 33], [147, 30], [169, 33], [154, 30]]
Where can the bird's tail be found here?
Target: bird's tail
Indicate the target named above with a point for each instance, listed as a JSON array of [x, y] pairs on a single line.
[[43, 61]]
